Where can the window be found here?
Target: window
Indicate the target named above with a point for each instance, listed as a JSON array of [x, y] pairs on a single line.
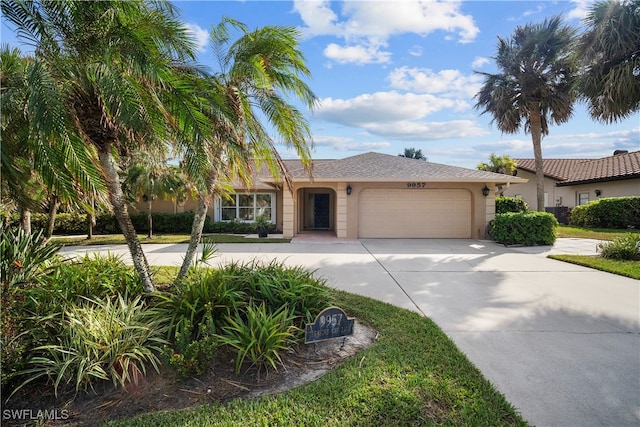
[[246, 207], [583, 198]]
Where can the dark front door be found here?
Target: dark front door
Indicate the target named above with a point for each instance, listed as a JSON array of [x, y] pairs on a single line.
[[320, 211]]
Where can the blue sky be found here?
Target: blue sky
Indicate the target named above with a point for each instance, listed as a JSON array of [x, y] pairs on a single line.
[[396, 74]]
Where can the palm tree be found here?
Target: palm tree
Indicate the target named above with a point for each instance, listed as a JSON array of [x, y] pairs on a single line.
[[34, 169], [256, 72], [610, 51], [412, 153], [111, 77], [533, 88], [150, 177]]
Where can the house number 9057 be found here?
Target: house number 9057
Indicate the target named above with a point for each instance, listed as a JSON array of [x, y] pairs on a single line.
[[416, 185]]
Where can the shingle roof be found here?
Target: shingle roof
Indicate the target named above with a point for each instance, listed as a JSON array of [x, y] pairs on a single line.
[[388, 168], [576, 171]]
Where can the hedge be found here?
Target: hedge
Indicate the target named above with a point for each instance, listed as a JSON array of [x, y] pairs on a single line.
[[179, 223], [506, 204], [524, 228], [608, 212]]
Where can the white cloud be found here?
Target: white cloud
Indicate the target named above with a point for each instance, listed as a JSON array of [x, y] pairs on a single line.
[[398, 116], [479, 62], [348, 144], [415, 50], [449, 83], [199, 35], [380, 107], [369, 24], [581, 9], [358, 54], [423, 131]]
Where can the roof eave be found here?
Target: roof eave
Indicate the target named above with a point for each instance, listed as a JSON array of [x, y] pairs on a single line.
[[595, 180]]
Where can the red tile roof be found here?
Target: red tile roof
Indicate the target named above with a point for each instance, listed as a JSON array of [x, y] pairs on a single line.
[[576, 171]]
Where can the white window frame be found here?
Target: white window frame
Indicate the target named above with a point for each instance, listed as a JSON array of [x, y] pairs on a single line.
[[579, 199], [219, 206]]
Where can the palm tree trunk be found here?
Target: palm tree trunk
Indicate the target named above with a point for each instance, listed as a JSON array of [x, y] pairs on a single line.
[[536, 138], [119, 206], [150, 220], [51, 221], [25, 220], [197, 227]]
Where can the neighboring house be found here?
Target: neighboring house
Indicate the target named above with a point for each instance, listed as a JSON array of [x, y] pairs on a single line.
[[370, 195], [572, 182]]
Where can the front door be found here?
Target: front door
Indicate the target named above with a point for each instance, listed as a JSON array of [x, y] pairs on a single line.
[[321, 211]]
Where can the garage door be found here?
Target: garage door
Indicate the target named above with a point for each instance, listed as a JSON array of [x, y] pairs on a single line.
[[420, 213]]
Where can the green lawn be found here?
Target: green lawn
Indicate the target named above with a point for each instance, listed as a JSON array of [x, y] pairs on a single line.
[[118, 239], [591, 233], [623, 268], [413, 375]]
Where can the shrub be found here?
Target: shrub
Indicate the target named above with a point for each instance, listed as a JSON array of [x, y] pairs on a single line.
[[525, 228], [278, 285], [506, 204], [260, 335], [610, 212], [622, 248], [104, 339], [24, 261]]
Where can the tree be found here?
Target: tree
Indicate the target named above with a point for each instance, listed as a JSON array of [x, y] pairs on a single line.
[[499, 164], [256, 73], [610, 51], [109, 77], [412, 153], [150, 177], [534, 86], [35, 171]]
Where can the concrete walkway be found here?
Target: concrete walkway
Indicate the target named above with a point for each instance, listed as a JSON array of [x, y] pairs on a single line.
[[560, 341]]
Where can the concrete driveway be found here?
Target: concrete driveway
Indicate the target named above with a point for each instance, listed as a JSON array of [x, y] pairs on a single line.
[[561, 342]]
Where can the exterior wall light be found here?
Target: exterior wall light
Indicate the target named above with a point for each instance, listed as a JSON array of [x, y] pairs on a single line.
[[349, 189], [598, 193], [485, 191]]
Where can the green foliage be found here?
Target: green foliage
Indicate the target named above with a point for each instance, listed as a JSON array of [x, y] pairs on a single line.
[[92, 276], [278, 285], [192, 358], [499, 164], [608, 212], [195, 307], [622, 248], [524, 228], [103, 339], [259, 334], [24, 257], [506, 204]]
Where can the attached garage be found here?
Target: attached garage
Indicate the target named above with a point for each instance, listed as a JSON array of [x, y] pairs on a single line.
[[414, 213]]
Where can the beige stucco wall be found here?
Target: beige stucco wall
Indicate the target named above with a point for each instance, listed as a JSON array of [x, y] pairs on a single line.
[[568, 195]]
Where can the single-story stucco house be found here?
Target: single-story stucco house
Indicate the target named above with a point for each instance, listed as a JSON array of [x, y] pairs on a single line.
[[572, 182], [370, 195]]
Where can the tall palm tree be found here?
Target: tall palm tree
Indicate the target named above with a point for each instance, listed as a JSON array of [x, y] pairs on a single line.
[[111, 76], [610, 51], [256, 73], [533, 88]]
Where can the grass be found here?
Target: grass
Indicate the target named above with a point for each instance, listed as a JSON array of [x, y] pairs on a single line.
[[623, 268], [118, 239], [591, 233], [412, 375]]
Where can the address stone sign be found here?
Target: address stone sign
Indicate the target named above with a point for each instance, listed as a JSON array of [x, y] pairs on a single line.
[[332, 322]]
